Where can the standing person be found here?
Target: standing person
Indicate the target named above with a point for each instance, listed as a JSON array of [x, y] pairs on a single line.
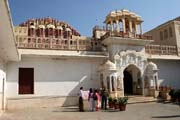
[[91, 99], [104, 95], [81, 104], [98, 105]]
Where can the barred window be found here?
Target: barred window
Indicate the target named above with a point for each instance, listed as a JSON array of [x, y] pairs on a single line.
[[170, 32], [161, 35]]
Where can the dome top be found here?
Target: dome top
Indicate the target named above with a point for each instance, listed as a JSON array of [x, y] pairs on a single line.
[[59, 27], [50, 26], [109, 65], [32, 26], [152, 66], [68, 29], [42, 26]]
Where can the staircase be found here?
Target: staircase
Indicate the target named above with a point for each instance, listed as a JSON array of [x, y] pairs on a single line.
[[140, 99]]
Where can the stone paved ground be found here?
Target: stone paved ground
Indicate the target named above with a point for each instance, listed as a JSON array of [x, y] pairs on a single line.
[[143, 111]]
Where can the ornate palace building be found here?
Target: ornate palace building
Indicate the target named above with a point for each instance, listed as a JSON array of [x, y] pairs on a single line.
[[48, 60]]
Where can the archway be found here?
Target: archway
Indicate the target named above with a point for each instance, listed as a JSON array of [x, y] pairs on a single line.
[[132, 80]]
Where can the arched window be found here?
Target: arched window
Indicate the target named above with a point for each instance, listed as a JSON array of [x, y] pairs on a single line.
[[108, 83], [112, 83], [156, 82], [101, 79]]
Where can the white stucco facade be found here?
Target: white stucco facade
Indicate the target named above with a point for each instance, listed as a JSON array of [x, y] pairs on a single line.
[[168, 72], [54, 77]]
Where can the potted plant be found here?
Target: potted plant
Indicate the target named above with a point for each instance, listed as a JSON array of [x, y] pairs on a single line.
[[110, 102], [115, 103], [122, 103]]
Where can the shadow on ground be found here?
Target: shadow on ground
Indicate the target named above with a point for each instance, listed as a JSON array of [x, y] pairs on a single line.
[[167, 116]]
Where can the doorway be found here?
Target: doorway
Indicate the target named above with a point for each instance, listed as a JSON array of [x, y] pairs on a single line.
[[26, 80], [128, 83], [132, 80]]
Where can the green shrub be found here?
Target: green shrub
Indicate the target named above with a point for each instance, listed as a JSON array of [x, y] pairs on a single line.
[[110, 99], [122, 100]]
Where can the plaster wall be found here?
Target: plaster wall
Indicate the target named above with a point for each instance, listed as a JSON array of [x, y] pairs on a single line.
[[54, 77], [168, 73], [2, 76]]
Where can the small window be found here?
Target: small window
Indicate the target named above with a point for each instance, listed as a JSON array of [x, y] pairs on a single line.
[[161, 35], [179, 29], [165, 34], [170, 32]]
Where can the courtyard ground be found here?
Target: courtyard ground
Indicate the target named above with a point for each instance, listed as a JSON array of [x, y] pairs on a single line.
[[143, 111]]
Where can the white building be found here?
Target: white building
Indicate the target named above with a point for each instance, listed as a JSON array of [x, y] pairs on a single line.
[[55, 60]]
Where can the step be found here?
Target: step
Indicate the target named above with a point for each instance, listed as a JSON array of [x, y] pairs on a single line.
[[140, 99]]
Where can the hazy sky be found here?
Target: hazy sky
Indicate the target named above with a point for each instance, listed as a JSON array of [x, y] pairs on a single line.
[[83, 15]]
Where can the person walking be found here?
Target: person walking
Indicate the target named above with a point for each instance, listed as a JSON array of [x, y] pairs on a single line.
[[81, 104], [91, 99]]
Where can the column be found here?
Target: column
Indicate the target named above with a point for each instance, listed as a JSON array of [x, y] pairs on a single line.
[[106, 26], [143, 90], [130, 25], [141, 29], [112, 27], [77, 42], [124, 26], [110, 84], [135, 27], [117, 25]]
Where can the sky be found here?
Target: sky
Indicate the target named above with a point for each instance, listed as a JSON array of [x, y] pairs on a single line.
[[83, 15]]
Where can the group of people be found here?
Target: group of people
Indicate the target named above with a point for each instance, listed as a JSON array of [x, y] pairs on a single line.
[[97, 99]]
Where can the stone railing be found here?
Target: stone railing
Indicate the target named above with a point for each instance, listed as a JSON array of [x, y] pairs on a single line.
[[161, 50], [125, 35], [53, 43]]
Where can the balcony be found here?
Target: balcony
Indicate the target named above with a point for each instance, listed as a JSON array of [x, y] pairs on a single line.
[[161, 50], [125, 35], [53, 43]]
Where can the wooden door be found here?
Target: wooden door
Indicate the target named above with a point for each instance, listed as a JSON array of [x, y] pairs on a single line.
[[26, 80]]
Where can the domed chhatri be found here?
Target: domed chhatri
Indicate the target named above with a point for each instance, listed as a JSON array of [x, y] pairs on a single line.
[[123, 20]]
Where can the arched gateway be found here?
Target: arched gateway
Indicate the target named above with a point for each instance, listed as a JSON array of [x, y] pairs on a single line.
[[130, 69], [132, 80]]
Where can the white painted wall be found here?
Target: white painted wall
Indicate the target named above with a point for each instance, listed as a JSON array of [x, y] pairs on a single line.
[[2, 76], [169, 72], [61, 77]]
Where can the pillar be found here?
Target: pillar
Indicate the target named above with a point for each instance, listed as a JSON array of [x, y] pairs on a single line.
[[106, 26], [130, 25], [143, 88], [117, 25], [135, 27], [110, 84], [124, 26], [112, 27], [140, 28]]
